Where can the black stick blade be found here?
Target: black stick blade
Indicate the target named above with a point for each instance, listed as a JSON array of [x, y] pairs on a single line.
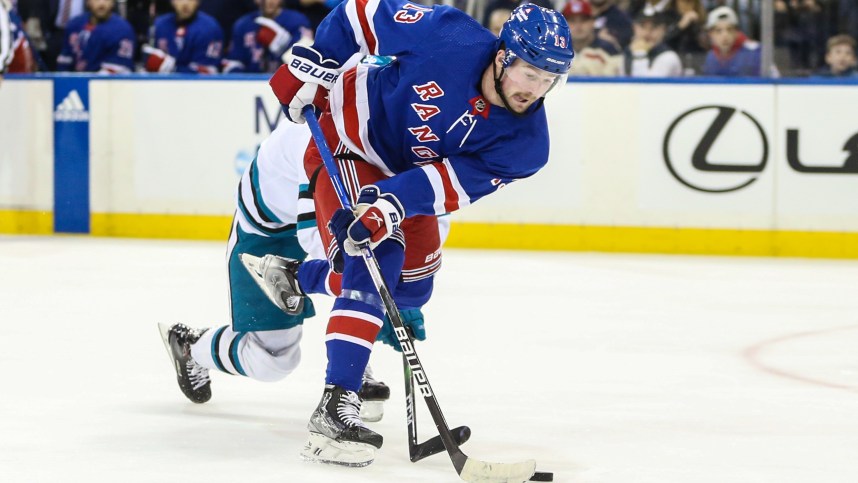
[[435, 445]]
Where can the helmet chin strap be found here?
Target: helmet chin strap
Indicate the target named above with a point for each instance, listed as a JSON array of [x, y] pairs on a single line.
[[500, 93]]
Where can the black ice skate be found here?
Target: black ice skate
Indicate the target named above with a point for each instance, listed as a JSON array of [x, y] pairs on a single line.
[[372, 393], [193, 378], [278, 278], [337, 434]]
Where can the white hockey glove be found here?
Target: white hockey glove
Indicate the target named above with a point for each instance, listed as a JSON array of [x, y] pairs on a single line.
[[272, 36], [303, 81]]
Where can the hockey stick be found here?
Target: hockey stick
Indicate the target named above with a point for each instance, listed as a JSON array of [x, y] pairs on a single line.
[[416, 450], [469, 469]]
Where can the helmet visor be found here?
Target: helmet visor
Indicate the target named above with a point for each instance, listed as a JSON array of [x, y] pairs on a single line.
[[532, 80]]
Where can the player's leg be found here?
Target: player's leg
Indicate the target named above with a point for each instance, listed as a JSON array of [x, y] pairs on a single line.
[[337, 434], [261, 343]]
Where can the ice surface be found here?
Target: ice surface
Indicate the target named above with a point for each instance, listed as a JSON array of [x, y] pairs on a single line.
[[603, 368]]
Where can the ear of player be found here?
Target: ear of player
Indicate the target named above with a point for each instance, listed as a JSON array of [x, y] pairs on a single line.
[[377, 215], [304, 80]]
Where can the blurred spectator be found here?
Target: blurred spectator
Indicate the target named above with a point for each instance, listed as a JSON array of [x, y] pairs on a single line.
[[839, 57], [799, 24], [187, 41], [505, 6], [542, 3], [227, 12], [23, 59], [747, 13], [649, 7], [849, 17], [260, 39], [612, 24], [45, 22], [98, 41], [647, 54], [732, 53], [496, 19], [593, 56], [686, 33]]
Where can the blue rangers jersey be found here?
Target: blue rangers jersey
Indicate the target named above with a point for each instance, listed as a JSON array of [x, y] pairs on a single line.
[[423, 117], [104, 47], [196, 44], [245, 53]]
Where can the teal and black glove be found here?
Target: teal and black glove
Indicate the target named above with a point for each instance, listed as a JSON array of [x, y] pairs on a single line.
[[413, 321]]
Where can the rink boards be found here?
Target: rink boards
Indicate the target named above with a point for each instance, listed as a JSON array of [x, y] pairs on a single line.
[[676, 167]]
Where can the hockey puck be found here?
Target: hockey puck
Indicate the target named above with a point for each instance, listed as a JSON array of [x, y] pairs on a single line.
[[542, 476]]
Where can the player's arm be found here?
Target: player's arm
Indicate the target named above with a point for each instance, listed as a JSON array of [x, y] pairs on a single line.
[[206, 53], [433, 189], [446, 186], [119, 58], [379, 27], [157, 58]]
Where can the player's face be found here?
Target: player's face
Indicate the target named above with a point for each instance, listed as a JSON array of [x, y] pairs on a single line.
[[185, 8], [723, 36], [100, 9], [523, 84], [269, 7], [840, 57]]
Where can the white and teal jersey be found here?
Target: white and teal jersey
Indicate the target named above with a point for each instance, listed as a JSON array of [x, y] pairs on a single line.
[[273, 197]]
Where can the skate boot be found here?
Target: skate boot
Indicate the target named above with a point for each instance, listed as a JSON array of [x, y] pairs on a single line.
[[278, 278], [193, 378], [372, 393], [337, 434]]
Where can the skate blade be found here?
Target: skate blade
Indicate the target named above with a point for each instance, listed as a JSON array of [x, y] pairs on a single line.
[[322, 449], [372, 411], [164, 329]]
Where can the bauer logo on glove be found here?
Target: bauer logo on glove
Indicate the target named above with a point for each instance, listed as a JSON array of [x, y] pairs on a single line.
[[377, 216], [322, 75]]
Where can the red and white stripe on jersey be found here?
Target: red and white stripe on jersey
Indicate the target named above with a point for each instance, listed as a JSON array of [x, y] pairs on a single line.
[[449, 194], [353, 326], [422, 272], [360, 14], [350, 110]]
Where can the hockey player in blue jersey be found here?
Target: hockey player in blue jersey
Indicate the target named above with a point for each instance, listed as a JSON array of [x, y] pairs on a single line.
[[98, 41], [260, 39], [458, 115], [187, 41]]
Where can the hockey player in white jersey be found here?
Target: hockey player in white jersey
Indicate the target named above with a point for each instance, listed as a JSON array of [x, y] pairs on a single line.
[[274, 215]]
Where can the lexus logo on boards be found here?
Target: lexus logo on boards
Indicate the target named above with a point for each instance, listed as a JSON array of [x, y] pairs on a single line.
[[690, 158]]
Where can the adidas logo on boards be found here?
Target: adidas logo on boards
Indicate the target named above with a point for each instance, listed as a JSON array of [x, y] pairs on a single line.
[[71, 109]]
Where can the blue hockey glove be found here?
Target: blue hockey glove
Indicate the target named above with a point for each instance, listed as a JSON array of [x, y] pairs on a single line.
[[413, 321], [377, 215]]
